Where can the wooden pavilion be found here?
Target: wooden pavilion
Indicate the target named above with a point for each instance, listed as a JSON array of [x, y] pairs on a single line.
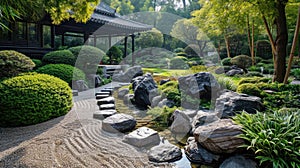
[[37, 38]]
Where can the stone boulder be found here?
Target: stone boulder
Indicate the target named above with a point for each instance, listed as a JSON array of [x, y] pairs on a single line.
[[199, 85], [229, 103], [234, 72], [107, 107], [238, 162], [164, 152], [143, 86], [204, 118], [197, 154], [127, 99], [118, 123], [142, 137], [166, 102], [219, 136], [180, 123], [155, 101], [128, 75], [122, 92]]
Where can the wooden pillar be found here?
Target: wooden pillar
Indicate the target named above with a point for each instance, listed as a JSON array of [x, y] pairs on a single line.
[[132, 48], [52, 36], [95, 40], [109, 46], [125, 47]]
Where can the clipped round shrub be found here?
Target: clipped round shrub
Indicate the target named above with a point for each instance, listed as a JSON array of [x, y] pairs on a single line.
[[254, 80], [59, 57], [116, 54], [32, 99], [12, 63], [38, 63], [178, 50], [178, 62], [249, 88], [242, 61], [226, 62], [88, 58], [62, 71]]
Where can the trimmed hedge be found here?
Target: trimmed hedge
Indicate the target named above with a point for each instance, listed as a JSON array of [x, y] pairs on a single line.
[[249, 88], [179, 62], [38, 63], [62, 71], [226, 62], [59, 57], [32, 99], [12, 63], [242, 61]]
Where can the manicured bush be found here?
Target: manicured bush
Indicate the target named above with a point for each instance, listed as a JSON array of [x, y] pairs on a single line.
[[254, 80], [226, 62], [178, 62], [178, 50], [242, 61], [32, 99], [183, 54], [273, 137], [171, 91], [62, 71], [254, 74], [12, 63], [249, 88], [116, 54], [59, 57], [296, 73], [88, 58], [199, 68], [227, 83], [38, 63]]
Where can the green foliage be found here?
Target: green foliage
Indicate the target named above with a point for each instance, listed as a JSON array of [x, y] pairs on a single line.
[[227, 83], [178, 50], [242, 61], [59, 57], [116, 54], [192, 50], [249, 88], [161, 115], [199, 68], [183, 54], [296, 73], [171, 91], [62, 71], [226, 62], [152, 38], [33, 98], [274, 137], [88, 58], [38, 63], [253, 74], [12, 63], [178, 62], [254, 80]]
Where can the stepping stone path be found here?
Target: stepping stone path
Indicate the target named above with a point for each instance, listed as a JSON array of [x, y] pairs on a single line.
[[142, 137], [164, 152], [118, 123], [104, 114], [102, 93], [107, 107], [75, 92], [108, 100]]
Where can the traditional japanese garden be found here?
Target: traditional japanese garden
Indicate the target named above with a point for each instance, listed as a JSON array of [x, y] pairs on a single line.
[[197, 83]]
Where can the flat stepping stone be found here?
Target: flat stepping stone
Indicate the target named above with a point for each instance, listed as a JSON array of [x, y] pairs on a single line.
[[102, 93], [102, 114], [118, 123], [107, 100], [75, 92], [107, 90], [142, 137], [107, 107], [102, 96], [164, 152]]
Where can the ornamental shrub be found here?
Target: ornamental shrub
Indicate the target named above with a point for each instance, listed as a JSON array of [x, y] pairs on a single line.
[[183, 54], [178, 50], [192, 50], [178, 62], [12, 63], [32, 99], [296, 73], [170, 90], [273, 137], [116, 54], [249, 88], [38, 63], [59, 57], [242, 61], [62, 71], [254, 80], [88, 58], [226, 62]]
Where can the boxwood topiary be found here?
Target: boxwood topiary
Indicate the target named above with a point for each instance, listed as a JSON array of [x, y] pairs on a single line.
[[226, 62], [32, 99], [59, 57], [249, 88], [62, 71], [38, 63], [12, 63]]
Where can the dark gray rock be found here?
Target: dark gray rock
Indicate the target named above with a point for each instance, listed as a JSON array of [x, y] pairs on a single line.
[[229, 103], [79, 85], [143, 86], [220, 136], [107, 100], [98, 97], [190, 113], [234, 72], [142, 137], [122, 92], [128, 75], [166, 102], [155, 101], [197, 154], [180, 122], [102, 114], [164, 152], [75, 92], [118, 123], [127, 100], [238, 162], [163, 81], [107, 107], [204, 118], [199, 85]]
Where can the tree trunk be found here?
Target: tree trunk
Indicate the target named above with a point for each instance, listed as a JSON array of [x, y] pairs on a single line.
[[249, 39], [227, 46], [281, 43], [252, 44], [293, 48]]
